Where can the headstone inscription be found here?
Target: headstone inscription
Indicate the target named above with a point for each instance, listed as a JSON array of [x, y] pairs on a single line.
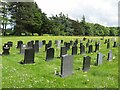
[[66, 65], [50, 54], [86, 63]]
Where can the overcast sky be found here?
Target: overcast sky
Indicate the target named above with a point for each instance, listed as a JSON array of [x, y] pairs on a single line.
[[104, 12]]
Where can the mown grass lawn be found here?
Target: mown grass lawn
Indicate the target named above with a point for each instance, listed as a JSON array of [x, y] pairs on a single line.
[[41, 73]]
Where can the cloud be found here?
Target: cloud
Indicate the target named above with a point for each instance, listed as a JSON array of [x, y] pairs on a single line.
[[104, 12]]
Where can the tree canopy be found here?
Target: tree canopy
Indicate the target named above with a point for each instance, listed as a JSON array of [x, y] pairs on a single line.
[[28, 18]]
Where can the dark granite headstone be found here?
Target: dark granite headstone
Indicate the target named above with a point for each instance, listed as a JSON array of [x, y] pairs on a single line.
[[110, 56], [47, 46], [99, 58], [67, 46], [96, 47], [10, 44], [61, 41], [66, 65], [36, 47], [84, 39], [108, 45], [50, 54], [63, 51], [87, 45], [6, 49], [71, 42], [105, 41], [82, 49], [19, 44], [44, 42], [30, 44], [86, 63], [29, 56], [74, 50], [115, 44], [50, 43], [90, 49]]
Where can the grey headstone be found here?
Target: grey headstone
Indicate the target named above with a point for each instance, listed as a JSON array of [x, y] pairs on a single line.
[[86, 63], [40, 44], [66, 65], [110, 56], [22, 48], [50, 54], [99, 58]]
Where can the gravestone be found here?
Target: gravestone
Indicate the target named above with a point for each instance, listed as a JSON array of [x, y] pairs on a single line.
[[67, 46], [36, 47], [75, 44], [47, 46], [74, 50], [86, 63], [99, 58], [82, 49], [29, 56], [108, 45], [96, 47], [50, 43], [81, 44], [22, 48], [66, 65], [44, 42], [36, 41], [10, 44], [84, 39], [71, 42], [19, 44], [30, 44], [58, 43], [115, 44], [90, 49], [50, 54], [87, 45], [61, 41], [40, 44], [110, 56], [6, 49], [105, 41], [76, 41], [63, 51]]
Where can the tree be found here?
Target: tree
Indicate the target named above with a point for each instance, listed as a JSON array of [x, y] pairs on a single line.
[[4, 17]]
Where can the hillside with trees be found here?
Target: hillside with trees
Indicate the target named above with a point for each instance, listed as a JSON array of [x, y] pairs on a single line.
[[28, 18]]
